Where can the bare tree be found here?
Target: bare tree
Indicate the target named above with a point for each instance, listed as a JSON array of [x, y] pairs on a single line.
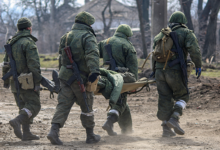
[[107, 25]]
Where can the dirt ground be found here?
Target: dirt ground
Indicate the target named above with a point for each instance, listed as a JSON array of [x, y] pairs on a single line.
[[201, 122]]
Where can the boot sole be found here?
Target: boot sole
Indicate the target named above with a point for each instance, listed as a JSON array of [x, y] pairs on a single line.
[[93, 142], [13, 126], [177, 130], [52, 141], [30, 139], [107, 129]]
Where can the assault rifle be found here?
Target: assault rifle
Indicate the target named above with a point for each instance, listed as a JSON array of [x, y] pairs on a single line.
[[13, 71], [180, 58], [112, 62], [76, 74]]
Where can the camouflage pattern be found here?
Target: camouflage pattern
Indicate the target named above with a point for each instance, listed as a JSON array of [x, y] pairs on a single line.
[[66, 98], [170, 83], [170, 89], [178, 17], [30, 100], [125, 56], [84, 49], [25, 53], [23, 23], [125, 29], [85, 52], [85, 17]]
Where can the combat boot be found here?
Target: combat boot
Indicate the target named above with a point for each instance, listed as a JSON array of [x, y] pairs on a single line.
[[27, 135], [167, 132], [16, 124], [91, 137], [108, 125], [53, 135], [174, 123]]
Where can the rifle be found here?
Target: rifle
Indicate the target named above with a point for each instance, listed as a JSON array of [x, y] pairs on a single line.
[[13, 71], [112, 62], [181, 58], [76, 74]]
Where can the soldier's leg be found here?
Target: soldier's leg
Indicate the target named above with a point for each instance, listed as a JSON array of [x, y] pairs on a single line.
[[66, 100], [86, 116], [165, 102], [31, 107], [175, 81]]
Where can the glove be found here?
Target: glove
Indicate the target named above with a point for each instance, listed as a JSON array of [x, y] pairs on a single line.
[[198, 71], [37, 88], [93, 77], [6, 85]]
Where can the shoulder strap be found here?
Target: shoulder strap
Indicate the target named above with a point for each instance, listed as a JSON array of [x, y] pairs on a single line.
[[66, 39], [108, 41]]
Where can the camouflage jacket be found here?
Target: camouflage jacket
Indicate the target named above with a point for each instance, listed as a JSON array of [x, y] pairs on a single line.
[[84, 49], [122, 51], [25, 53], [188, 42]]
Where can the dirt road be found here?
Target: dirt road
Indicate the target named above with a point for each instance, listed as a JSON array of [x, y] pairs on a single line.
[[201, 122]]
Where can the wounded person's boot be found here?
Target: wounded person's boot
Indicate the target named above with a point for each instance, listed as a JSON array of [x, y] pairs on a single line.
[[27, 135], [91, 137], [108, 126], [174, 123], [16, 124], [53, 135], [167, 132]]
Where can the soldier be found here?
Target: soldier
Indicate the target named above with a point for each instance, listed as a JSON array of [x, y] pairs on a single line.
[[25, 53], [170, 82], [83, 44], [125, 56]]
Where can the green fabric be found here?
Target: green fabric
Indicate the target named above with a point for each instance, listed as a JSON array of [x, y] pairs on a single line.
[[30, 100], [122, 51], [66, 98], [23, 23], [124, 120], [125, 29], [25, 53], [85, 17], [171, 88], [178, 17], [188, 42], [113, 85], [84, 49]]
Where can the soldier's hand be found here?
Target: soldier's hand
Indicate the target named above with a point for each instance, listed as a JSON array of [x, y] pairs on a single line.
[[198, 72], [93, 77], [37, 88], [6, 85]]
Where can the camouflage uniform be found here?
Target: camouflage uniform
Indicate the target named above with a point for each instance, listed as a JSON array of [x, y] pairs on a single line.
[[125, 56], [170, 84], [25, 53], [85, 52]]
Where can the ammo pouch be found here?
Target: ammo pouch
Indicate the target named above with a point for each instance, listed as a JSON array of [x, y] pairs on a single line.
[[26, 81], [91, 87], [190, 66]]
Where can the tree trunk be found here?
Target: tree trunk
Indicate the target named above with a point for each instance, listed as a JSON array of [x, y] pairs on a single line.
[[142, 28], [203, 18], [52, 23], [210, 41], [107, 26], [145, 8], [186, 5], [200, 2]]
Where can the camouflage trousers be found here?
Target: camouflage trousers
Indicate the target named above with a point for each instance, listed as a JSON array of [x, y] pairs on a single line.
[[66, 98], [171, 88], [29, 100], [124, 119]]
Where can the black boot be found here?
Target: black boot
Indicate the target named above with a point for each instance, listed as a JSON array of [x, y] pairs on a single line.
[[16, 124], [27, 135], [108, 126], [167, 132], [91, 137], [173, 123], [53, 135]]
